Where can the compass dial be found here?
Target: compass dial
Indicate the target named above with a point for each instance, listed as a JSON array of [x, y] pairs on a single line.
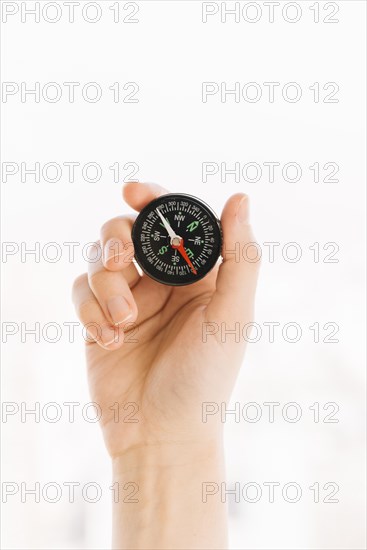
[[177, 239]]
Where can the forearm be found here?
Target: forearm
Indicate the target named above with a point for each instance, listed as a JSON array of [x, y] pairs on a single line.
[[171, 512]]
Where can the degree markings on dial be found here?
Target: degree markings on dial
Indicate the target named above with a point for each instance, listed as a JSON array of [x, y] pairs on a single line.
[[197, 215]]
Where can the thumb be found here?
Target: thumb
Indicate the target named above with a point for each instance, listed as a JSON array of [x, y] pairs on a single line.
[[233, 299]]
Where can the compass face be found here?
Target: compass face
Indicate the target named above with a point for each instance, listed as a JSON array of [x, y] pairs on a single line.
[[177, 239]]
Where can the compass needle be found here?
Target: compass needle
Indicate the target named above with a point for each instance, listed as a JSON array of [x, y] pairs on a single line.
[[169, 229]]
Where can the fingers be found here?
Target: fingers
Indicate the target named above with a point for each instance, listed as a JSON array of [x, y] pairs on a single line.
[[116, 242], [118, 249], [92, 317], [233, 299], [112, 292], [138, 195]]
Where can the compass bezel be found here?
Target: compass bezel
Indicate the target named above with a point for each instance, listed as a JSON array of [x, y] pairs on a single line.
[[140, 257]]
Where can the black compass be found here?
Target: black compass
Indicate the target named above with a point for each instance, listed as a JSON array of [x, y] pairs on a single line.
[[177, 239]]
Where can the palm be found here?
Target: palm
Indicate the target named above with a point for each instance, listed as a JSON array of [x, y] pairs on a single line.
[[162, 368]]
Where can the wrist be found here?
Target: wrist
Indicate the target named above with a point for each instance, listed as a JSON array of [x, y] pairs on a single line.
[[169, 511], [168, 455]]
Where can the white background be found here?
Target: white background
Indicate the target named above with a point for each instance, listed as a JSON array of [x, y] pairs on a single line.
[[169, 133]]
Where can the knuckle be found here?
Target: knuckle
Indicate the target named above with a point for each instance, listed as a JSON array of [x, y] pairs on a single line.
[[106, 227], [113, 225], [96, 278], [86, 311], [94, 255], [78, 283]]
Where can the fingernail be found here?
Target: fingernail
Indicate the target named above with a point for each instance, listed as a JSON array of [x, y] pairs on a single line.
[[109, 336], [94, 332], [113, 250], [243, 210], [119, 309], [103, 335]]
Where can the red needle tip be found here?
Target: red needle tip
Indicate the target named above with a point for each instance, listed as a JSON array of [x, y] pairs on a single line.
[[183, 253]]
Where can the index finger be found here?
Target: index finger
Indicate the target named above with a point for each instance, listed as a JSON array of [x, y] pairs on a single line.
[[137, 195]]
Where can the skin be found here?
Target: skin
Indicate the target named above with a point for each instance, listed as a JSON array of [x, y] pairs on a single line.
[[174, 366]]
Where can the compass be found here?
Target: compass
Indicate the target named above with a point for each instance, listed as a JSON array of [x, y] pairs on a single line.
[[177, 239]]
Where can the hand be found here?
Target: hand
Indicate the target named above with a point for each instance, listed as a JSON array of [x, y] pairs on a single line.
[[167, 374], [170, 370]]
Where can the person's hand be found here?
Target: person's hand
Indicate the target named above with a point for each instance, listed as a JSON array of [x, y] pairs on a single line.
[[159, 352]]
